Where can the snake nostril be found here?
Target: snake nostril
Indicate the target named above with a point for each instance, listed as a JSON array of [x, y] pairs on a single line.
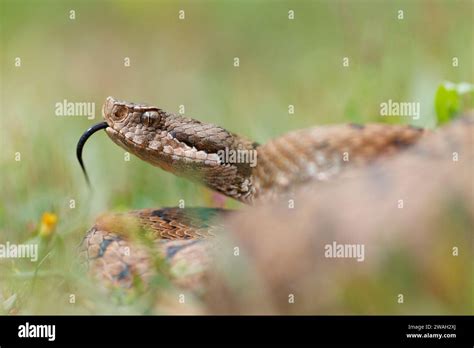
[[119, 112]]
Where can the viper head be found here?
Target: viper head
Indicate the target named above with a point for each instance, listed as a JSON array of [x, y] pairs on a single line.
[[178, 144], [150, 132]]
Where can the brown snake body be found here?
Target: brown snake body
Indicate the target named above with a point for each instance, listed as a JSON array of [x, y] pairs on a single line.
[[190, 148]]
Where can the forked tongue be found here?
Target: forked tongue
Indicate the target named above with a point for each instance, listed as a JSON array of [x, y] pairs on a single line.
[[81, 143]]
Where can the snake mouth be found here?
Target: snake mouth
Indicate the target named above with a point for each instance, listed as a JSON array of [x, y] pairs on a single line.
[[82, 141], [163, 149]]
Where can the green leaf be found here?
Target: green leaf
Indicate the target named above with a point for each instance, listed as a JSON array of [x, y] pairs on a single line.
[[449, 101], [446, 104]]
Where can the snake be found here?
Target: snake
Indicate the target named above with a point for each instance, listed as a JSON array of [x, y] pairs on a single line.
[[121, 248]]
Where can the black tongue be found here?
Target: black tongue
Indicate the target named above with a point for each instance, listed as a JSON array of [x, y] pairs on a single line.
[[82, 141]]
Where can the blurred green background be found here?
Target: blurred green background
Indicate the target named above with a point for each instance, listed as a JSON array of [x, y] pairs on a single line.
[[190, 62]]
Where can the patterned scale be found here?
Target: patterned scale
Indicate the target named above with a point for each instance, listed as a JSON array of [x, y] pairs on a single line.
[[121, 247], [120, 254]]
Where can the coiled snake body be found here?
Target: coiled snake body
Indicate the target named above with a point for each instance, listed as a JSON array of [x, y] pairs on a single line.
[[114, 247]]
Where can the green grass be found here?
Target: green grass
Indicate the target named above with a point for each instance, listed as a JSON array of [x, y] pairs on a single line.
[[187, 62]]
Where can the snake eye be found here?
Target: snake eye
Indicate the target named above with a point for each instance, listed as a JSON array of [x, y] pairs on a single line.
[[119, 112], [149, 117]]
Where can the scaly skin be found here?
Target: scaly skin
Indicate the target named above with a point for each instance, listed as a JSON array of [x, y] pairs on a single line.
[[190, 148]]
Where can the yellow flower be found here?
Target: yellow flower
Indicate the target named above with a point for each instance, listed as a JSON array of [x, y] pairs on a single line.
[[48, 223]]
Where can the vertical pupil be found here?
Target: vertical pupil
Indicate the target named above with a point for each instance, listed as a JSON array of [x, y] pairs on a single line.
[[148, 118]]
